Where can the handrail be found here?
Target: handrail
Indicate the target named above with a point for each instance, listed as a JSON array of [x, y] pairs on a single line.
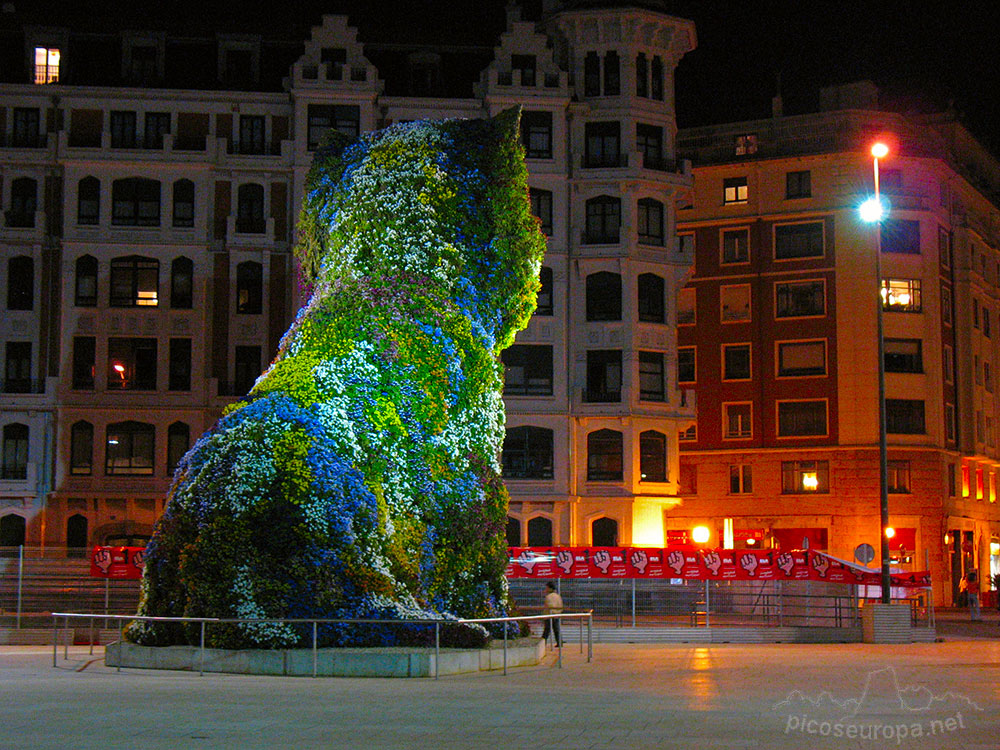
[[314, 621]]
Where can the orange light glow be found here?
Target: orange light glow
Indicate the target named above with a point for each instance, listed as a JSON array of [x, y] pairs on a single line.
[[880, 150], [889, 532]]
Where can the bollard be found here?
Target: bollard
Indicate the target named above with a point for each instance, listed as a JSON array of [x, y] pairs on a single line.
[[314, 648], [437, 649], [590, 637], [66, 639], [121, 642], [20, 581], [559, 638], [504, 647], [581, 635], [201, 655], [91, 618]]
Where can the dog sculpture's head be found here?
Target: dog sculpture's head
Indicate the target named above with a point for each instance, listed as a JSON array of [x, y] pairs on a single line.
[[443, 201]]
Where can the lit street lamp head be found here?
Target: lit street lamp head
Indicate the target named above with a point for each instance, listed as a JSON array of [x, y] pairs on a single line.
[[872, 210], [879, 150]]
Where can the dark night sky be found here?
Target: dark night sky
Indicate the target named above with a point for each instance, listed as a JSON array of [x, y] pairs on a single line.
[[922, 55]]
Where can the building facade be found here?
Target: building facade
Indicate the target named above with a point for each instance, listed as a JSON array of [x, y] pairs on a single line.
[[150, 186], [778, 336]]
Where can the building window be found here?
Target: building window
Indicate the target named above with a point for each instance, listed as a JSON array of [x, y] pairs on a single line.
[[527, 370], [651, 377], [656, 79], [47, 65], [123, 130], [604, 456], [740, 479], [513, 532], [652, 456], [527, 453], [183, 214], [805, 477], [948, 364], [737, 421], [591, 74], [15, 451], [604, 532], [527, 65], [81, 449], [689, 435], [143, 66], [178, 441], [603, 144], [544, 305], [322, 118], [798, 184], [736, 245], [604, 376], [793, 241], [904, 416], [252, 135], [541, 208], [604, 296], [20, 283], [23, 203], [899, 476], [156, 125], [801, 418], [649, 144], [736, 361], [86, 281], [17, 367], [181, 283], [900, 236], [746, 144], [540, 532], [686, 364], [26, 132], [536, 134], [180, 365], [734, 190], [735, 302], [135, 282], [641, 76], [135, 202], [651, 298], [247, 369], [901, 295], [83, 363], [891, 180], [945, 305], [250, 209], [686, 306], [88, 201], [944, 247], [131, 364], [129, 449], [612, 74], [249, 288], [904, 355], [650, 215], [798, 359], [604, 218], [685, 244]]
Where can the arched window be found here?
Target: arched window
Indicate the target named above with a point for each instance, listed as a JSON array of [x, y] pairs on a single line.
[[15, 451], [250, 209], [527, 453], [76, 531], [650, 215], [81, 460], [135, 282], [11, 530], [135, 202], [23, 203], [20, 283], [604, 218], [604, 456], [652, 456], [540, 532], [651, 298], [513, 532], [592, 75], [129, 449], [656, 79], [544, 292], [88, 201], [181, 283], [641, 75], [86, 281], [178, 442], [612, 74], [604, 532], [604, 296], [249, 287], [183, 215]]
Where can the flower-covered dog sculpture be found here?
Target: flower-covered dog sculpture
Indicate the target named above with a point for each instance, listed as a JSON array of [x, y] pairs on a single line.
[[359, 478]]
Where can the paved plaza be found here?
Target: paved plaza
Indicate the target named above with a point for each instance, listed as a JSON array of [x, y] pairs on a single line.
[[632, 696]]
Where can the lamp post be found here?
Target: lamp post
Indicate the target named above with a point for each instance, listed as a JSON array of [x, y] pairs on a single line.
[[873, 211]]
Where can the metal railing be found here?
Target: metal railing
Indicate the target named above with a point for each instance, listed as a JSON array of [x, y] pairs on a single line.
[[203, 622]]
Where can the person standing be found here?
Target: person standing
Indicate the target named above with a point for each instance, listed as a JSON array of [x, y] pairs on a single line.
[[972, 589], [553, 605]]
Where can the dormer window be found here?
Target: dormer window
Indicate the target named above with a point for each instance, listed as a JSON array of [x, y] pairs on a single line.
[[526, 64], [239, 62], [333, 59], [47, 65]]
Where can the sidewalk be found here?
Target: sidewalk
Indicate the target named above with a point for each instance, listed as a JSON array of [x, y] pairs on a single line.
[[953, 623]]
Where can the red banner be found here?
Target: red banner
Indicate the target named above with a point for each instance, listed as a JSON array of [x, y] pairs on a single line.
[[696, 564], [117, 562]]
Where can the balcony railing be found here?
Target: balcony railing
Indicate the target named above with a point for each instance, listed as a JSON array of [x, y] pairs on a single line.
[[22, 385], [19, 219], [600, 396], [532, 387], [24, 140]]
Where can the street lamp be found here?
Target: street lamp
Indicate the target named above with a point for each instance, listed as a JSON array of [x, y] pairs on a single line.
[[873, 211]]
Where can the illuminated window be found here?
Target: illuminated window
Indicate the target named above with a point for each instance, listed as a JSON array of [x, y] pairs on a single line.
[[979, 484], [131, 364], [129, 449], [965, 480], [804, 477], [46, 65], [746, 144], [734, 190], [135, 282], [901, 295]]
